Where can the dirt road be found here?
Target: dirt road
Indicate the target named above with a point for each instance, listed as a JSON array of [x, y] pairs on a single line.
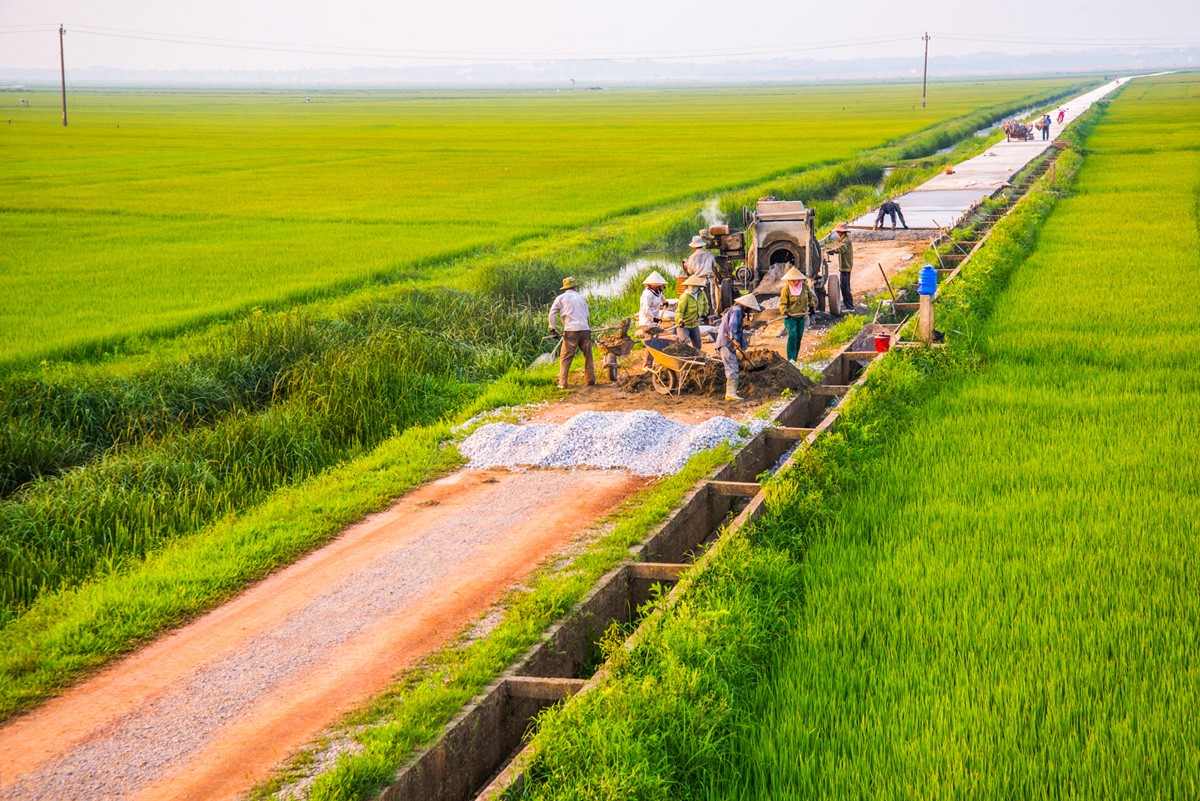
[[207, 711]]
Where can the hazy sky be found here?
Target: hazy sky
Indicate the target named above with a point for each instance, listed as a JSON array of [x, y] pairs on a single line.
[[145, 35]]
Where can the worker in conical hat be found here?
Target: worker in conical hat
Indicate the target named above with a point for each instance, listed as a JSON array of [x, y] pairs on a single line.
[[689, 312], [731, 340], [572, 308], [652, 311], [796, 302]]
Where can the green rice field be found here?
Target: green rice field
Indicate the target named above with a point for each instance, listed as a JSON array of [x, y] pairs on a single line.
[[991, 588], [152, 212], [1006, 604]]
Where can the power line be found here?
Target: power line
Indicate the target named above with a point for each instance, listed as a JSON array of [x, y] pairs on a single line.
[[1036, 40], [476, 56]]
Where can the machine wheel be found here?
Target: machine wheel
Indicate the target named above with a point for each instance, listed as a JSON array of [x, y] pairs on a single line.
[[665, 380]]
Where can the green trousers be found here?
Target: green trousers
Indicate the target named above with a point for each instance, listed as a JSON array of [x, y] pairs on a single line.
[[795, 330]]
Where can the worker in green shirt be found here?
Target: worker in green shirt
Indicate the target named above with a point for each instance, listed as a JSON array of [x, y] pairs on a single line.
[[689, 311], [795, 302], [845, 255]]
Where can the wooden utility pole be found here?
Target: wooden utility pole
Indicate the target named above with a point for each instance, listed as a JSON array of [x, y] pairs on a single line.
[[925, 74], [62, 66]]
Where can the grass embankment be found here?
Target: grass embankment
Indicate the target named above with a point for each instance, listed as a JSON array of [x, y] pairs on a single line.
[[1005, 605], [317, 386], [183, 207], [995, 594]]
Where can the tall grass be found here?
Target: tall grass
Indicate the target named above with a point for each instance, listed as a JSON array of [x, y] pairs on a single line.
[[354, 382]]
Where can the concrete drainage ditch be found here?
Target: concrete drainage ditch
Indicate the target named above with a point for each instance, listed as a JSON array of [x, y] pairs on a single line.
[[473, 758]]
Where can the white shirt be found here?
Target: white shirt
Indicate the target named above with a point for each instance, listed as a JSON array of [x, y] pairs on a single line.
[[701, 262], [650, 309], [574, 311]]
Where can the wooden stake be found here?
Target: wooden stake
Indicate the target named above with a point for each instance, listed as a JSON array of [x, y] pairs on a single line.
[[889, 283], [925, 320]]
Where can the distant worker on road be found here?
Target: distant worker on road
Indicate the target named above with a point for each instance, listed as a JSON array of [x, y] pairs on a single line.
[[890, 208], [845, 256], [703, 263], [572, 308], [652, 311], [1062, 114], [796, 301], [688, 312], [731, 336], [1046, 127]]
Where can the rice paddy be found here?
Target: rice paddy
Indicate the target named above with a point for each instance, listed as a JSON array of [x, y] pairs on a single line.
[[1006, 602], [152, 212]]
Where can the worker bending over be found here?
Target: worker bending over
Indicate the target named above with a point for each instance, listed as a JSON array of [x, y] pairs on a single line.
[[577, 333], [796, 301], [689, 311], [652, 311], [731, 337], [845, 256], [890, 208]]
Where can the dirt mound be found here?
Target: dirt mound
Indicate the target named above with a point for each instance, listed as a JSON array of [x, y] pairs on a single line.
[[769, 373]]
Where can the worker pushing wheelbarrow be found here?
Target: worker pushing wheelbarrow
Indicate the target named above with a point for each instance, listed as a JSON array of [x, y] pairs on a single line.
[[615, 347], [676, 365]]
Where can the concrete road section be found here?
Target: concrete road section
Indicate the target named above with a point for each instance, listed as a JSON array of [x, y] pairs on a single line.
[[945, 199]]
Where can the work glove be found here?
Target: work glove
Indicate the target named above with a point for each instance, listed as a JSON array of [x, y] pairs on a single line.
[[554, 333]]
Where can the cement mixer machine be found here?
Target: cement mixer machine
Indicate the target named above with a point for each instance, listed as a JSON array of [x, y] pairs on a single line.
[[781, 234], [785, 238]]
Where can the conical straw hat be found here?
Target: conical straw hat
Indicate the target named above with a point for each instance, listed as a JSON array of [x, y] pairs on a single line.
[[655, 278], [749, 301], [793, 275]]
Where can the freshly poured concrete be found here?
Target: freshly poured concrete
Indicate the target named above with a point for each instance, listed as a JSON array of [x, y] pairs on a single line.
[[946, 199]]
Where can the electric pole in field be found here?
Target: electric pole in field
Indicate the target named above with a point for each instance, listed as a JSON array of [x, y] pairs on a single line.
[[924, 77], [62, 66]]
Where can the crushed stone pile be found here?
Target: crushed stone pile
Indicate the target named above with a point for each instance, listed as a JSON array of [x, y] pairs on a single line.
[[642, 442]]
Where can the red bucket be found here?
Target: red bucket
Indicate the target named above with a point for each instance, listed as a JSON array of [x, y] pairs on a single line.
[[883, 342]]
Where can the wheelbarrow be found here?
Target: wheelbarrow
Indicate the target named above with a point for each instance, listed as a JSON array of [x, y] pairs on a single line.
[[615, 348], [670, 374]]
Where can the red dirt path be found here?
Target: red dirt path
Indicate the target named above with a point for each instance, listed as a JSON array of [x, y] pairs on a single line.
[[151, 727]]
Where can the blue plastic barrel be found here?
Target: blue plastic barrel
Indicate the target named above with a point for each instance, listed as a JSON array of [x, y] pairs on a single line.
[[927, 282]]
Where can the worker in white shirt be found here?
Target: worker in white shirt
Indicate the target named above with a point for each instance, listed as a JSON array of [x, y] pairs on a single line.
[[572, 308], [652, 311]]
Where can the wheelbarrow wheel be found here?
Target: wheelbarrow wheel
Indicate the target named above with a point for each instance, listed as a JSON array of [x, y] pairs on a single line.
[[665, 380], [612, 372]]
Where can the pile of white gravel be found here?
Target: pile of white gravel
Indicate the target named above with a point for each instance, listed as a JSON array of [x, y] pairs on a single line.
[[644, 443]]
